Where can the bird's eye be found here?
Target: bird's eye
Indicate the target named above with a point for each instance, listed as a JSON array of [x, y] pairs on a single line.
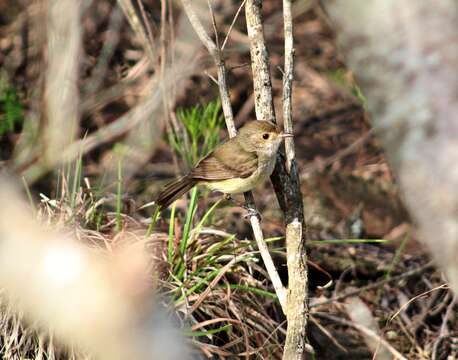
[[265, 136]]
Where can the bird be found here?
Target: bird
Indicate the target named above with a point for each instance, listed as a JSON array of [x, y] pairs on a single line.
[[234, 167]]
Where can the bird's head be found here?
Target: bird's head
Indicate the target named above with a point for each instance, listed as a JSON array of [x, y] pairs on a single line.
[[262, 137]]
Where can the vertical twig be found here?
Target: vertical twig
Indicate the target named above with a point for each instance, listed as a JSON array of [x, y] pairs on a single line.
[[216, 54], [286, 185], [228, 115], [288, 76], [285, 178], [264, 104], [297, 307]]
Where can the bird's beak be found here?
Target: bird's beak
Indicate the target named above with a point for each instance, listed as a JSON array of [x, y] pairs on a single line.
[[285, 135]]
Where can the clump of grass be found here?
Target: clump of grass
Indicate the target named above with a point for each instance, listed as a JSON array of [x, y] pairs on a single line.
[[216, 282], [11, 109], [200, 133]]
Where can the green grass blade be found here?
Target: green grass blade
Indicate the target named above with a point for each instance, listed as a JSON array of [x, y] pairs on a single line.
[[255, 291], [207, 332], [206, 216], [154, 218], [171, 239], [76, 179], [199, 285], [189, 217]]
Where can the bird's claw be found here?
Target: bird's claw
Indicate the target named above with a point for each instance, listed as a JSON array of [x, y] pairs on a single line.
[[251, 212]]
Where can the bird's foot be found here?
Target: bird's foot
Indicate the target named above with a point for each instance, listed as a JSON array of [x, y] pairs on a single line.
[[251, 212], [229, 197]]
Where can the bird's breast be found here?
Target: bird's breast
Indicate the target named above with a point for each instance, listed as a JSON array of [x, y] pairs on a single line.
[[241, 185]]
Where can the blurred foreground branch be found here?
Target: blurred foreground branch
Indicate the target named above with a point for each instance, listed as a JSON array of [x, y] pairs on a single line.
[[97, 301], [62, 93], [405, 57]]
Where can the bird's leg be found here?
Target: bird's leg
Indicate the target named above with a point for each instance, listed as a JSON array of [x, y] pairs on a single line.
[[249, 211], [229, 197]]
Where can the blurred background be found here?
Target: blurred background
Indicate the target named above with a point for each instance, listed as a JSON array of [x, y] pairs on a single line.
[[104, 102]]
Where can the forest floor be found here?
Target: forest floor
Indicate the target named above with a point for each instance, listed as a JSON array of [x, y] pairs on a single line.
[[372, 285]]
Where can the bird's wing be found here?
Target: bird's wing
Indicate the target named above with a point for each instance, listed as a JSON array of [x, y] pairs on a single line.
[[218, 165]]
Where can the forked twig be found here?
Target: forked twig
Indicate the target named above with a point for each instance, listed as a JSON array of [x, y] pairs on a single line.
[[285, 178], [232, 24], [216, 53]]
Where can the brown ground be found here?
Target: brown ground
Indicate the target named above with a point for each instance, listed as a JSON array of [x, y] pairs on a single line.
[[349, 190]]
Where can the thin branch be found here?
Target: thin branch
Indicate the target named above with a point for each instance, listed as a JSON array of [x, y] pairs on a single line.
[[140, 29], [288, 83], [229, 117], [264, 104], [232, 24], [215, 29], [285, 181], [295, 247], [216, 54], [297, 310], [286, 186]]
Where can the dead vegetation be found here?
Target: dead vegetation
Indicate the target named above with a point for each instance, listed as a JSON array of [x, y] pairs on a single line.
[[385, 298]]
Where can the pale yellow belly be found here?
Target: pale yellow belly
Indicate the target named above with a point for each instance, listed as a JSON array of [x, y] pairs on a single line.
[[239, 185]]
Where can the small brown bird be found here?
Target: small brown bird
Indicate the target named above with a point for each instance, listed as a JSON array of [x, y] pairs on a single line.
[[235, 166]]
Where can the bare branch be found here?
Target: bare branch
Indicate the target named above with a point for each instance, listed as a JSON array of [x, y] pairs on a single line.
[[286, 185], [297, 310], [264, 104], [285, 180], [216, 54], [232, 24], [288, 82], [228, 115]]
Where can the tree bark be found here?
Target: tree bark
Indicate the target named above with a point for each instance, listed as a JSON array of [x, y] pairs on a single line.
[[285, 178]]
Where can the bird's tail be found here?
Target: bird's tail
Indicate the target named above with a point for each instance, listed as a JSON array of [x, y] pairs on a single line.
[[174, 190]]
